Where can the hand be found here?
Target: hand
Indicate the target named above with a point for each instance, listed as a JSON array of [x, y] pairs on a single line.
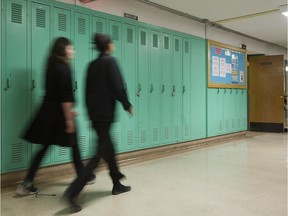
[[130, 111], [70, 126]]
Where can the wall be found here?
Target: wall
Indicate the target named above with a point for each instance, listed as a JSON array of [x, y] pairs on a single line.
[[178, 23]]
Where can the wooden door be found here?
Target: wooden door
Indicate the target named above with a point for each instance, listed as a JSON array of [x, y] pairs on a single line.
[[266, 93]]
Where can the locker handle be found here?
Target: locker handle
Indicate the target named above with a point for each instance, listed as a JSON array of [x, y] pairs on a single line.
[[173, 92], [231, 91], [151, 88], [8, 84], [225, 91], [237, 91], [184, 89], [33, 86], [218, 91], [76, 86], [163, 89], [139, 90]]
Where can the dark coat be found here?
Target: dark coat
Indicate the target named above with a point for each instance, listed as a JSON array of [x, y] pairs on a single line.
[[48, 126], [104, 85]]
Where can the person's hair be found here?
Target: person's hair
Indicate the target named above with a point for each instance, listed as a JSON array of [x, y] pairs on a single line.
[[102, 42], [58, 51]]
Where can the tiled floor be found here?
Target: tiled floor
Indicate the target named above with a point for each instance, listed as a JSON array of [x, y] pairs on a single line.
[[240, 178]]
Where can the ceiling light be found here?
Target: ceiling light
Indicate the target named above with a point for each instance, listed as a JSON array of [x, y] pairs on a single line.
[[284, 10]]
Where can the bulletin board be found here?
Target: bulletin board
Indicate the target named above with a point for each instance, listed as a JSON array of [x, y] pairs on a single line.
[[226, 66]]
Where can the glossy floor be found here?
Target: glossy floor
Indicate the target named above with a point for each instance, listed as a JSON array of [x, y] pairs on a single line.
[[246, 177]]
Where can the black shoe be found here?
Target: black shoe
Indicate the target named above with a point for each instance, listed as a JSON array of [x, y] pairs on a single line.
[[74, 206], [118, 189]]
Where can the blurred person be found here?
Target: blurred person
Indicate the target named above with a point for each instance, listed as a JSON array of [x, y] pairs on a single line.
[[104, 85], [54, 123]]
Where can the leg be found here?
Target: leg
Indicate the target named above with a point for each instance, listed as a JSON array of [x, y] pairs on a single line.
[[77, 158], [106, 150]]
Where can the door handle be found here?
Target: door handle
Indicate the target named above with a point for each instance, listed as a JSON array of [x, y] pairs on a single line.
[[184, 89], [151, 88], [33, 86], [163, 89], [173, 91], [139, 90], [8, 84]]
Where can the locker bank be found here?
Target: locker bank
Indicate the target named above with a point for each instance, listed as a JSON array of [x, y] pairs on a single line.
[[196, 144]]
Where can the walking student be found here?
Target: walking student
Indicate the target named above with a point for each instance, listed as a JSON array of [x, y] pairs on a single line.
[[104, 85], [54, 123]]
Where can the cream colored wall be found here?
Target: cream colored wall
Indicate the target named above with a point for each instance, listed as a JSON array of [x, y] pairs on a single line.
[[155, 16]]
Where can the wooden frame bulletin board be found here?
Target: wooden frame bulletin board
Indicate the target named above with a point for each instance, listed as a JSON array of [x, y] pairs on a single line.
[[226, 66]]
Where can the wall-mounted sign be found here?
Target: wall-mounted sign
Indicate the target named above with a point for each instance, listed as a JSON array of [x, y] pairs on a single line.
[[130, 16], [226, 66]]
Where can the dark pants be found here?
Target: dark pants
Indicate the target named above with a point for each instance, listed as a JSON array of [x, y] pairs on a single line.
[[39, 156], [106, 151]]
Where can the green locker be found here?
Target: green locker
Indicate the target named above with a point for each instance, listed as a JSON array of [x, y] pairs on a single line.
[[143, 87], [165, 89], [176, 91], [129, 66], [198, 88], [233, 110], [186, 89], [82, 39], [244, 113], [155, 89], [62, 28], [40, 37], [227, 110], [15, 151], [115, 30]]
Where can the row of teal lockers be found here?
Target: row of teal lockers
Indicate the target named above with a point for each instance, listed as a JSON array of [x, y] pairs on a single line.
[[165, 73]]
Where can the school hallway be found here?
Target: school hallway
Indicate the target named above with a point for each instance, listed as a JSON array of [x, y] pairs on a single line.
[[243, 177]]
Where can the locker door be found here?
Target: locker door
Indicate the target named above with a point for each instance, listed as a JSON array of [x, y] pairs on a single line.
[[99, 25], [62, 23], [220, 111], [129, 72], [143, 87], [165, 89], [83, 52], [227, 106], [176, 91], [233, 110], [116, 34], [244, 114], [186, 89], [155, 89], [62, 28], [15, 151], [212, 115], [40, 37]]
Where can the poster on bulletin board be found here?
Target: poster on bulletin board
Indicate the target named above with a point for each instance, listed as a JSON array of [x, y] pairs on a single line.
[[226, 66]]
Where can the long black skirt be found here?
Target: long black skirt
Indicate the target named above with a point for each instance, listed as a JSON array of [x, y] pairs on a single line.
[[48, 126]]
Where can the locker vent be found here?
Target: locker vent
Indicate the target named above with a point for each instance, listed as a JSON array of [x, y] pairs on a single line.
[[143, 38], [16, 153], [99, 27], [130, 138], [116, 139], [155, 134], [186, 130], [143, 136], [81, 26], [166, 43], [115, 32], [177, 45], [186, 47], [62, 151], [16, 13], [176, 132], [155, 40], [129, 35], [166, 133], [62, 22], [82, 144], [40, 18]]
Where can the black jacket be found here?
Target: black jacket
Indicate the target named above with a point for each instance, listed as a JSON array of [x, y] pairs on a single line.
[[104, 85]]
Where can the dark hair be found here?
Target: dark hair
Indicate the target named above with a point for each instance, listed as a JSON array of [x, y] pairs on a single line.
[[101, 41], [58, 51]]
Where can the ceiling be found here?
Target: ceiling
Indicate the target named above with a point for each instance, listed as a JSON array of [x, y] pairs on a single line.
[[259, 19]]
